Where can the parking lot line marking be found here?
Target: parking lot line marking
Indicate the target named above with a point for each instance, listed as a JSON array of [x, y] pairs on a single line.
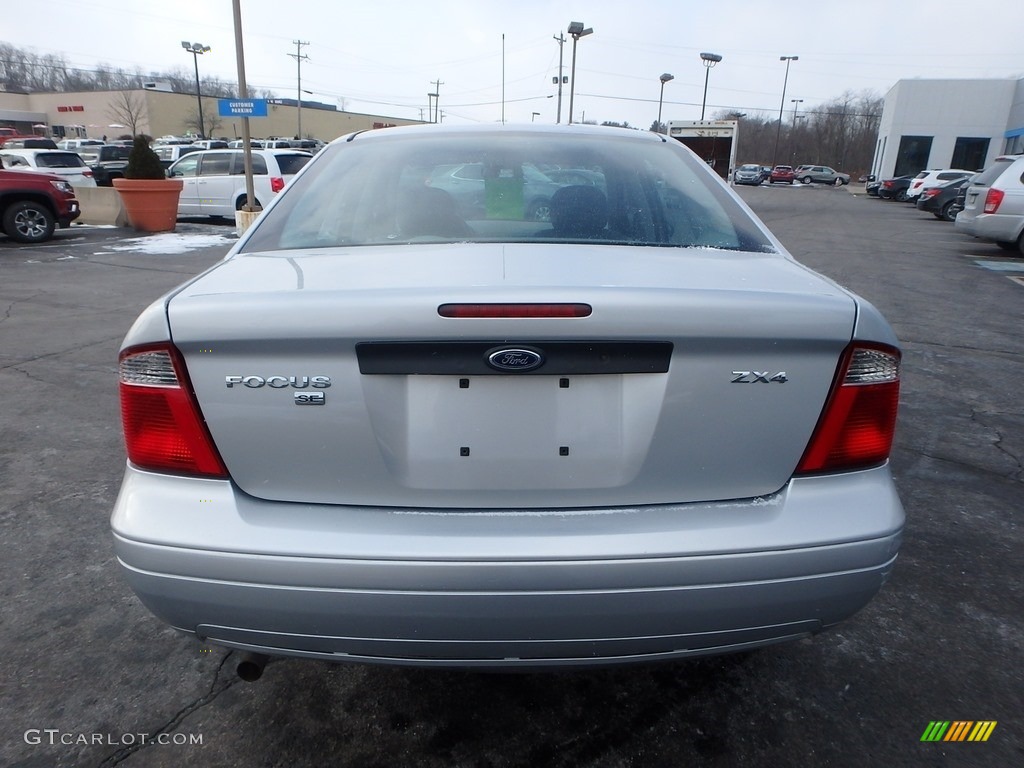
[[1001, 266]]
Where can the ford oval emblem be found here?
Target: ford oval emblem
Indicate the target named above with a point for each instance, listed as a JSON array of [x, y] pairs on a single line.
[[514, 359]]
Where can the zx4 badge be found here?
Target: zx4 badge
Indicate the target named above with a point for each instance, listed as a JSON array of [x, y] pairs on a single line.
[[759, 377]]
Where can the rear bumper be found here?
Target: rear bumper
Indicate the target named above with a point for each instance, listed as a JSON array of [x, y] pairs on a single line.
[[990, 226], [499, 589]]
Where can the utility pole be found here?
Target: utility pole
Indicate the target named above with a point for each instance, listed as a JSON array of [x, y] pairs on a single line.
[[299, 56], [243, 93], [437, 98], [561, 42]]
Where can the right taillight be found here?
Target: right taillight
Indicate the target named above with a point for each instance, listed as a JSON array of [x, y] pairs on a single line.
[[276, 184], [993, 199], [164, 430], [857, 425]]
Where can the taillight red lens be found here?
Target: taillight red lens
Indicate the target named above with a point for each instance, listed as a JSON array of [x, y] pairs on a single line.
[[857, 425], [993, 200], [930, 193], [276, 183], [164, 430]]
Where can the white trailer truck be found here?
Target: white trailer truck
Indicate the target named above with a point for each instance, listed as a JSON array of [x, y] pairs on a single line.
[[714, 141]]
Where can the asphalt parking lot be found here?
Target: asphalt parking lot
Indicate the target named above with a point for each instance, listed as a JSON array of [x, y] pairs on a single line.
[[89, 678]]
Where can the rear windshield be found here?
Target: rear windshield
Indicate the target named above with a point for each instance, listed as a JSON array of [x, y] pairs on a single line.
[[506, 187], [993, 172], [59, 160], [292, 164]]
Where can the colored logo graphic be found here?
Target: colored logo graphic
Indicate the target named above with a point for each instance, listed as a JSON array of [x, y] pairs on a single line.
[[958, 730]]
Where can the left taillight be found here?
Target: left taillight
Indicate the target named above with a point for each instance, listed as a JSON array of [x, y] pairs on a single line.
[[993, 200], [276, 184], [856, 427], [164, 430]]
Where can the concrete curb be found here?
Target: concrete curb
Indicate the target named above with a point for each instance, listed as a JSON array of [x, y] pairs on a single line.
[[101, 205]]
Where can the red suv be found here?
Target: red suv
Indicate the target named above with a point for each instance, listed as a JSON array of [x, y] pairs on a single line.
[[783, 174], [32, 205]]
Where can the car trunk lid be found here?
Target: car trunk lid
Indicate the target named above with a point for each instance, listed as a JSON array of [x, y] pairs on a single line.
[[332, 377]]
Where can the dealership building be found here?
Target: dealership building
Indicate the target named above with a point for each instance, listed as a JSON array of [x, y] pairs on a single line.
[[948, 124], [159, 112]]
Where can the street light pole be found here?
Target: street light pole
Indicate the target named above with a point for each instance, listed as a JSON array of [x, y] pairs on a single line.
[[664, 79], [792, 138], [778, 132], [196, 49], [576, 31], [709, 60]]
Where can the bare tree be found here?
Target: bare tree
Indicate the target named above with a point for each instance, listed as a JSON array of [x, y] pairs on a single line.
[[211, 123], [128, 109], [840, 133]]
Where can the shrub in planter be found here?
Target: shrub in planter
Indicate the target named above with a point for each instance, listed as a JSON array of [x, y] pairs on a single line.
[[143, 162], [150, 198]]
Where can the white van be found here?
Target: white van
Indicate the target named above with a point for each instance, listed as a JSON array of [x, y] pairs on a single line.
[[214, 179], [75, 144]]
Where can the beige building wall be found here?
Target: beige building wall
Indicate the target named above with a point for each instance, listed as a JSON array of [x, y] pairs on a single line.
[[91, 114]]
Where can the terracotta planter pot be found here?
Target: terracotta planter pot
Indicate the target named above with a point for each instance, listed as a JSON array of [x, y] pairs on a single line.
[[150, 204]]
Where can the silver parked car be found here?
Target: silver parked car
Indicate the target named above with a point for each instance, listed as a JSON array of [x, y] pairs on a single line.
[[821, 174], [748, 174], [381, 431], [994, 204]]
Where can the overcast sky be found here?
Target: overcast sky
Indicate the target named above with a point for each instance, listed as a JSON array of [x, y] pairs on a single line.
[[382, 56]]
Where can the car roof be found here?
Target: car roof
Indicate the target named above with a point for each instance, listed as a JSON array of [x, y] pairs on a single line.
[[255, 151], [33, 152], [534, 129]]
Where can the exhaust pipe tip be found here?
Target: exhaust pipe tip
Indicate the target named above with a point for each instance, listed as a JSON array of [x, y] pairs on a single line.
[[250, 666]]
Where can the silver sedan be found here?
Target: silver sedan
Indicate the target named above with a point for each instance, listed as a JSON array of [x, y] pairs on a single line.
[[388, 428]]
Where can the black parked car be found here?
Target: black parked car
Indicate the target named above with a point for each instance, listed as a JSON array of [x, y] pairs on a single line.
[[896, 189], [107, 161], [941, 201]]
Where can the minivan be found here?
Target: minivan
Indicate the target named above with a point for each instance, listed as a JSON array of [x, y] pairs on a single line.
[[994, 204], [214, 179]]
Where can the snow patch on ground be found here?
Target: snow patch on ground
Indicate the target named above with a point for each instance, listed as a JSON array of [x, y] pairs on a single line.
[[171, 243]]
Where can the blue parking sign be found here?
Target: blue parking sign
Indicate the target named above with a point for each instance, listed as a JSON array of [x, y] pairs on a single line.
[[242, 107]]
